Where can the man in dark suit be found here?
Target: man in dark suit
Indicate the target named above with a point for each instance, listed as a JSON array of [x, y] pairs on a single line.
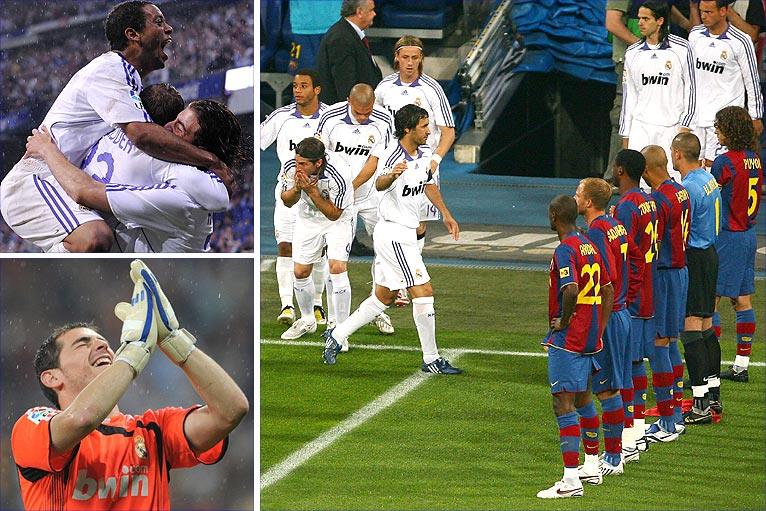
[[344, 57]]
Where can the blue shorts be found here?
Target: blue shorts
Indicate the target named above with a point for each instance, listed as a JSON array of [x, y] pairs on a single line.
[[642, 333], [670, 288], [569, 372], [736, 263], [613, 359]]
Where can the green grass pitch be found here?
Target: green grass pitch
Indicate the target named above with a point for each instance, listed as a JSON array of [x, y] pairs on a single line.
[[483, 440]]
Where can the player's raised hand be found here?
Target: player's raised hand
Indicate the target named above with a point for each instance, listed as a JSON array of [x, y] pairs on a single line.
[[399, 168], [139, 327]]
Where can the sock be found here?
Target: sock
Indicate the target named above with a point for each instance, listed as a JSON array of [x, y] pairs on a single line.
[[421, 241], [304, 295], [341, 295], [425, 321], [717, 324], [639, 393], [745, 332], [285, 280], [612, 417], [569, 439], [662, 383], [678, 380], [627, 406], [59, 248], [330, 304], [589, 425], [713, 348], [367, 311], [695, 353], [319, 275]]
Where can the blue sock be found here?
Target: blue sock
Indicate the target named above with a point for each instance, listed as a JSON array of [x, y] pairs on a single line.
[[589, 428], [612, 418], [569, 438]]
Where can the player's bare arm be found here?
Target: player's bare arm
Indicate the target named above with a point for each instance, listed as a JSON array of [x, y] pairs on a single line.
[[735, 19], [366, 173], [607, 301], [617, 28], [568, 301], [435, 196], [446, 139]]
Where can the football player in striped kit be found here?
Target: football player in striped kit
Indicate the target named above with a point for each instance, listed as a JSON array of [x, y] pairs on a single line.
[[287, 126], [726, 73], [355, 130]]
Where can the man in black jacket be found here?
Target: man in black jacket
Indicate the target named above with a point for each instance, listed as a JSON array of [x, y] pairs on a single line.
[[344, 57]]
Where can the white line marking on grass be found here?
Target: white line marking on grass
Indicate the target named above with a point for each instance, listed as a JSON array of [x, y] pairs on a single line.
[[326, 439], [468, 351]]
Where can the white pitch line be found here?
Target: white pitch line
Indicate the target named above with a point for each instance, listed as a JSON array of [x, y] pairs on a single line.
[[463, 351], [385, 400]]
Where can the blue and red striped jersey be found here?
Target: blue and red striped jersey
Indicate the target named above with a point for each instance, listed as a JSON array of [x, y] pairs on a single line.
[[638, 213], [614, 245], [577, 261], [740, 175], [674, 214]]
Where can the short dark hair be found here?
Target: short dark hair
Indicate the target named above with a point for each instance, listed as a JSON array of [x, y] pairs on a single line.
[[407, 118], [349, 7], [565, 208], [632, 161], [122, 17], [311, 73], [219, 131], [163, 102], [688, 144], [311, 148], [47, 356]]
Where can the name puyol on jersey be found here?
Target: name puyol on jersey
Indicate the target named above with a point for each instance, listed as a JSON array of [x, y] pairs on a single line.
[[40, 414]]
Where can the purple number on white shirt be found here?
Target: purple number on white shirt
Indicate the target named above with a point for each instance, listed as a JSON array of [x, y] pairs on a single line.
[[109, 160]]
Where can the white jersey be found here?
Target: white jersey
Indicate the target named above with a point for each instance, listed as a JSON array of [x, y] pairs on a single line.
[[114, 159], [288, 127], [401, 202], [354, 143], [726, 70], [334, 184], [424, 92], [99, 96], [658, 85]]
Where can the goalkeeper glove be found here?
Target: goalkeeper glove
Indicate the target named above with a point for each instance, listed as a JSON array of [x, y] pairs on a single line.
[[177, 343], [139, 328]]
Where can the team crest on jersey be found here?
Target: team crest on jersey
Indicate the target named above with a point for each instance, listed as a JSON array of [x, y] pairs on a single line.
[[417, 101], [418, 274], [564, 272], [40, 413], [371, 139], [325, 194], [668, 65], [724, 55], [140, 446]]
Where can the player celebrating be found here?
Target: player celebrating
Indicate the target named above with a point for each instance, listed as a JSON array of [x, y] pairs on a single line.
[[288, 126], [726, 73], [611, 239], [658, 83], [740, 175], [637, 211], [671, 284], [579, 304], [410, 86], [73, 455], [102, 95], [324, 194], [356, 130], [406, 174]]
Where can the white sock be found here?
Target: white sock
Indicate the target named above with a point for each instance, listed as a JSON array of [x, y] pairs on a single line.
[[699, 390], [367, 311], [591, 460], [285, 280], [425, 321], [304, 295], [330, 304], [740, 361], [319, 275], [421, 243], [713, 382], [639, 428], [60, 249], [341, 296], [628, 438], [571, 477]]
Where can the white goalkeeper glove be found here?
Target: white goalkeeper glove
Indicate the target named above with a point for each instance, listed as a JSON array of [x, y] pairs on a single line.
[[177, 343], [139, 326]]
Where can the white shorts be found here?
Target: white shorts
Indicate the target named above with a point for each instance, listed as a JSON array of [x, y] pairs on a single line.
[[284, 218], [710, 146], [642, 135], [36, 207], [310, 238], [368, 211], [398, 263], [428, 212]]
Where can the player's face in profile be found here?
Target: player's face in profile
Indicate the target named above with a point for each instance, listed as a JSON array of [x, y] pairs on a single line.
[[155, 36], [648, 25], [615, 175], [367, 14], [306, 166], [185, 126], [710, 13], [721, 136], [304, 90], [421, 131], [84, 354], [360, 112], [552, 219], [409, 59], [580, 199]]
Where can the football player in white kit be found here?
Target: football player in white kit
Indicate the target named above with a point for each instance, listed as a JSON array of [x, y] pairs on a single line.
[[410, 86], [101, 96], [324, 196], [659, 93], [407, 174], [159, 206], [355, 130], [726, 72], [287, 126]]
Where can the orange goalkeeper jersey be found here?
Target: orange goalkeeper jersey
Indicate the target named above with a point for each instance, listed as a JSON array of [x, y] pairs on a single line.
[[122, 464]]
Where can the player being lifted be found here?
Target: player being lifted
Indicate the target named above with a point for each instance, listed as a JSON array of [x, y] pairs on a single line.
[[356, 130], [404, 174], [85, 453], [324, 196], [579, 305], [739, 172], [410, 86], [287, 126]]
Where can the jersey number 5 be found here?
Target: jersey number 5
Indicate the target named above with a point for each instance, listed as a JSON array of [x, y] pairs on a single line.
[[593, 271], [752, 195]]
